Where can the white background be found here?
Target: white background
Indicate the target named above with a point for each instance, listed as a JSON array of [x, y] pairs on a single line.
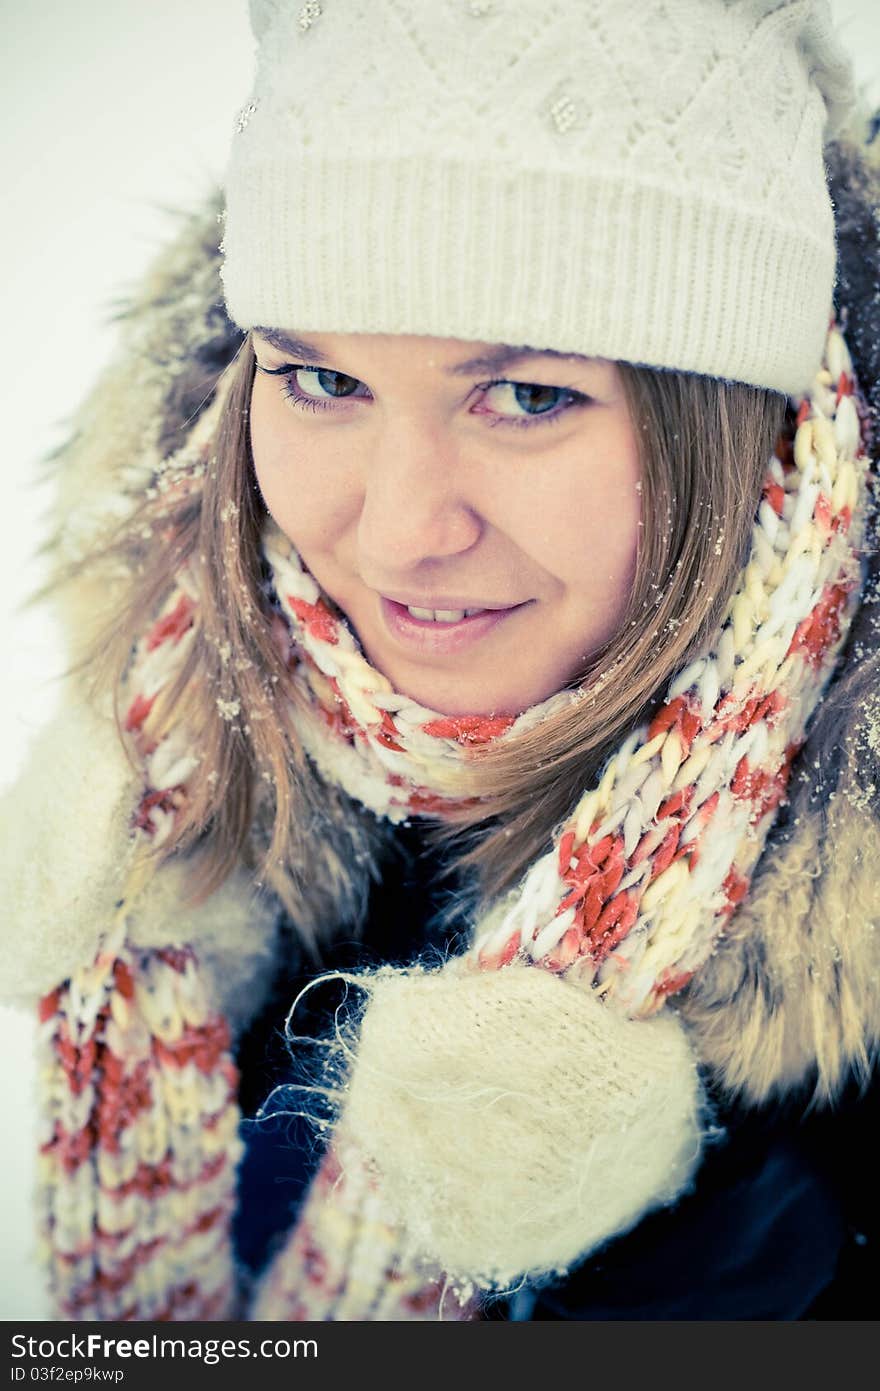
[[115, 110]]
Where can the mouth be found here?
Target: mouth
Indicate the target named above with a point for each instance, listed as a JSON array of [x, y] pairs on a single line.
[[442, 631]]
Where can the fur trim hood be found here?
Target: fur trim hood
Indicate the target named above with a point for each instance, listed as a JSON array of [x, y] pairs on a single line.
[[792, 994]]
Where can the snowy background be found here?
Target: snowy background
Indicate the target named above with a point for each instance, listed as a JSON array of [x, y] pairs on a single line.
[[116, 112]]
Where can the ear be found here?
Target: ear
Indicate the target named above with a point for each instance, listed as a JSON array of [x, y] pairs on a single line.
[[263, 13]]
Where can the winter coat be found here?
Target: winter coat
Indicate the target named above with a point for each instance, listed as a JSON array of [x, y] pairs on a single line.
[[790, 1000]]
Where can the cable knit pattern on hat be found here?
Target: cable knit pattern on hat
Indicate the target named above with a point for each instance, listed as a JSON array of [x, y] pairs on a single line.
[[650, 154]]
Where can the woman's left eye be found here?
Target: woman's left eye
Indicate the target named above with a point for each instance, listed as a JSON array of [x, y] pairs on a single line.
[[317, 388], [543, 405]]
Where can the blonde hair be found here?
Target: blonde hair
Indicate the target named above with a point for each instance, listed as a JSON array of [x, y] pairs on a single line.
[[704, 449]]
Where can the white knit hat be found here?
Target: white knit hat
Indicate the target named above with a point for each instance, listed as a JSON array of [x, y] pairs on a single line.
[[640, 180]]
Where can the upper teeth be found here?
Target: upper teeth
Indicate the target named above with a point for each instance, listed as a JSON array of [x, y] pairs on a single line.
[[441, 615]]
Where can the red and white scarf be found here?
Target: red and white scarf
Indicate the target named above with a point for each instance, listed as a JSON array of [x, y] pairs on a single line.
[[140, 1123]]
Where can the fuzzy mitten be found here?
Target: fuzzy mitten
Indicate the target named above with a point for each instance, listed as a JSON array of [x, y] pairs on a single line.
[[511, 1123]]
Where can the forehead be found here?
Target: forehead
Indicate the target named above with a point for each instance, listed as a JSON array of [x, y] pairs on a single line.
[[452, 354]]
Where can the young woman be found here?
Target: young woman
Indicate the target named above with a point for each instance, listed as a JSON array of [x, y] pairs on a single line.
[[482, 593]]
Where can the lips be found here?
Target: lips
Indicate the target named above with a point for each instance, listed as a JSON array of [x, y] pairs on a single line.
[[430, 637]]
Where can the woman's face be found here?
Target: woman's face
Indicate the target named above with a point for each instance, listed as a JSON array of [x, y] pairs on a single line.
[[435, 475]]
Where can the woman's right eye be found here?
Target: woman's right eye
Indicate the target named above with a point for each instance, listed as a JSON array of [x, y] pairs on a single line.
[[312, 388]]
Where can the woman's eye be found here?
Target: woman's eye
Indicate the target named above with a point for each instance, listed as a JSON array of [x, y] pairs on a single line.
[[529, 403], [315, 388], [312, 388]]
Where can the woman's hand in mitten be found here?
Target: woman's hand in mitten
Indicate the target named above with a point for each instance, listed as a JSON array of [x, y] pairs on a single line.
[[513, 1120]]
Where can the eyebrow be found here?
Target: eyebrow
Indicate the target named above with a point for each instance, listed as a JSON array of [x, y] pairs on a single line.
[[502, 356]]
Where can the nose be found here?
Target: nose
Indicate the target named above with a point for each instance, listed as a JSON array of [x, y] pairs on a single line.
[[415, 506]]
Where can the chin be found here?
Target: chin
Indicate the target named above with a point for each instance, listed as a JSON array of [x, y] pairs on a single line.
[[455, 696], [456, 693]]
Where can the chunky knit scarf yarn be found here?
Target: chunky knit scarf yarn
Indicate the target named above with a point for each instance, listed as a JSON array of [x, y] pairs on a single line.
[[140, 1142]]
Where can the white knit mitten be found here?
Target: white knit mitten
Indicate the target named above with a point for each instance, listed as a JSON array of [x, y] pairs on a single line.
[[513, 1121]]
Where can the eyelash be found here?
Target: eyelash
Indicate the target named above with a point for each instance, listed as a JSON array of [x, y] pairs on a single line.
[[571, 400]]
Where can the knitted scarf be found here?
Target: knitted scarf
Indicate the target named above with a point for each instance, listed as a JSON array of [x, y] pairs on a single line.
[[139, 1142]]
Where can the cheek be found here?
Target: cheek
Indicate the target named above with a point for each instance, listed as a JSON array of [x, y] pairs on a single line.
[[614, 525], [582, 521], [305, 489]]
